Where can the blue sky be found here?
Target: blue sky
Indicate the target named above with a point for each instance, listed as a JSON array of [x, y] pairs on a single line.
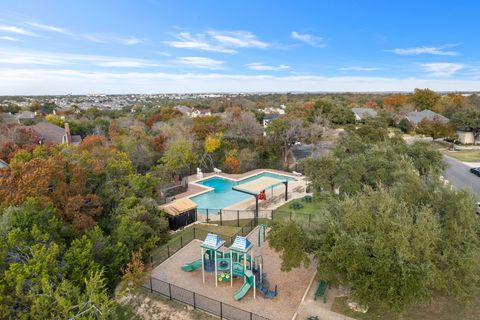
[[58, 47]]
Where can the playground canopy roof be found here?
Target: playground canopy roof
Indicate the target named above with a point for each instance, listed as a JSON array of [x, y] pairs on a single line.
[[258, 185], [179, 206], [212, 241], [241, 244]]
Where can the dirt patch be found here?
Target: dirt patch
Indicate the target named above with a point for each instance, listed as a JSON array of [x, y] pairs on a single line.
[[148, 308]]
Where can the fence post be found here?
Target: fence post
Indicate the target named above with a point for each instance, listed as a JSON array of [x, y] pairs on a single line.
[[271, 215], [251, 316], [207, 215], [194, 237], [170, 291], [151, 286], [194, 301], [290, 215], [238, 218], [221, 222], [242, 231], [309, 219], [168, 250], [181, 241], [221, 310]]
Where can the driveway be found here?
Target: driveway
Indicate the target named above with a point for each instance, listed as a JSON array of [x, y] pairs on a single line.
[[459, 175]]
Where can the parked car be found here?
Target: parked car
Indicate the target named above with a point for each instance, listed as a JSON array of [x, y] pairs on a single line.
[[475, 171]]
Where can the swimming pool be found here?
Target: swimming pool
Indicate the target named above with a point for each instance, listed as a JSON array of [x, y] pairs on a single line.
[[223, 196]]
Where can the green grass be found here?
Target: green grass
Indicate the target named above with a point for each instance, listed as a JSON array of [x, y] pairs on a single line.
[[308, 207], [464, 155], [440, 308]]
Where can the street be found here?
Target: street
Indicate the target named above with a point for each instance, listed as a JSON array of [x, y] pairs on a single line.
[[459, 175]]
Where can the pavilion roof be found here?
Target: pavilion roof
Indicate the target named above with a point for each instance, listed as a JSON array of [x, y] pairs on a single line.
[[256, 186]]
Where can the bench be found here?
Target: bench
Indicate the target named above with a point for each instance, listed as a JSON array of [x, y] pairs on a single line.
[[322, 286]]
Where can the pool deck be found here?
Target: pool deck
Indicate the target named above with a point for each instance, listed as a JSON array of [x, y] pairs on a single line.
[[196, 189], [291, 285]]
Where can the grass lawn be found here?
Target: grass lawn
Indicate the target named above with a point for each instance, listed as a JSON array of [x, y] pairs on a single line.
[[440, 308], [308, 207], [464, 155]]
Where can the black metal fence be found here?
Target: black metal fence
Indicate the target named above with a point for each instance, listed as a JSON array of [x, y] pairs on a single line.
[[198, 301], [164, 252]]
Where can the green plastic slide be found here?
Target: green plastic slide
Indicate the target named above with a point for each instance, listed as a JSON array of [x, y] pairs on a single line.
[[188, 267], [242, 291], [245, 287]]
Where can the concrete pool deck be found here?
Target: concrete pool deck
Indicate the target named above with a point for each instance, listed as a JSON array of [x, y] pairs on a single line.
[[291, 285]]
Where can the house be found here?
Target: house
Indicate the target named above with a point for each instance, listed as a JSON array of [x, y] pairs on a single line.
[[25, 116], [467, 137], [186, 111], [362, 113], [3, 164], [267, 119], [191, 112], [50, 133], [416, 117]]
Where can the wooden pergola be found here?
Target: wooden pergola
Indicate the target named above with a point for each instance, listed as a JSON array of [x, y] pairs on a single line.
[[256, 186]]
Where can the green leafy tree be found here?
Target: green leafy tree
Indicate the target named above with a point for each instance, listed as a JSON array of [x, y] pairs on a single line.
[[424, 99]]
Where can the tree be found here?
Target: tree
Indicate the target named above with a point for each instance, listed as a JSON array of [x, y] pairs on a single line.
[[467, 120], [395, 100], [424, 99], [232, 165], [178, 155], [56, 120], [285, 132], [435, 128], [394, 233]]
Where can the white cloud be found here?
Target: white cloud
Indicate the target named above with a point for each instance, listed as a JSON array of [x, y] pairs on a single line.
[[49, 28], [108, 38], [15, 57], [357, 68], [439, 51], [312, 40], [7, 38], [17, 30], [26, 81], [201, 62], [442, 69], [217, 41], [262, 67]]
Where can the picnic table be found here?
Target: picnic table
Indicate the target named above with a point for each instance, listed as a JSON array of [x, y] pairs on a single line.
[[320, 292]]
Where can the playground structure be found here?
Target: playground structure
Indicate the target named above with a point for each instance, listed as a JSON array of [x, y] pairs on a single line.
[[238, 262]]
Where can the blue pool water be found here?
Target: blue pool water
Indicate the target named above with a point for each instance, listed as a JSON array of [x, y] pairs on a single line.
[[222, 194]]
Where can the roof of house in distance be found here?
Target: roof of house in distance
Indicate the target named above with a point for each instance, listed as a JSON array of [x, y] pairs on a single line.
[[179, 206], [258, 185], [212, 241], [415, 117], [49, 132], [241, 244], [365, 112]]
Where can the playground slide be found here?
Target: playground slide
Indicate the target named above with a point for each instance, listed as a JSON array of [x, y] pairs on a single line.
[[188, 267], [242, 291], [249, 279]]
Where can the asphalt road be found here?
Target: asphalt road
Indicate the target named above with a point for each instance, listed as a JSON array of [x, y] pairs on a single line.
[[459, 175]]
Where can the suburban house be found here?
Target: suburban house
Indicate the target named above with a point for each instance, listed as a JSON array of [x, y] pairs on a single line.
[[192, 112], [25, 116], [467, 137], [362, 113], [50, 133], [416, 117], [267, 119], [3, 164]]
